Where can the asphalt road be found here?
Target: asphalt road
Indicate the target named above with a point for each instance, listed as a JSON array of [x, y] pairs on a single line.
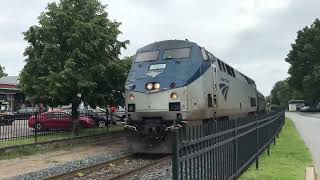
[[308, 125]]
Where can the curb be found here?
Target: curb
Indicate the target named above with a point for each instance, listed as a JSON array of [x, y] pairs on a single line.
[[311, 173]]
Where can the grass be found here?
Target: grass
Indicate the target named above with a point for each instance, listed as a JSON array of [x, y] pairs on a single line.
[[60, 135], [31, 150], [287, 160]]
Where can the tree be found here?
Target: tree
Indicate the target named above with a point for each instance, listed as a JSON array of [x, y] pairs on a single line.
[[282, 93], [72, 52], [118, 74], [2, 73], [305, 62]]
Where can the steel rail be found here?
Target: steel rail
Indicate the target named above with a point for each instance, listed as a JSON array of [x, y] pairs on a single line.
[[86, 170], [142, 168]]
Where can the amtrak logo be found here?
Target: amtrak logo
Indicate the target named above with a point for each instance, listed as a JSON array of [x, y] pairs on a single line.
[[153, 73], [224, 89]]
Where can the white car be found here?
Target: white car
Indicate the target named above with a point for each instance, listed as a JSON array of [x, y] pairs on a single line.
[[119, 115]]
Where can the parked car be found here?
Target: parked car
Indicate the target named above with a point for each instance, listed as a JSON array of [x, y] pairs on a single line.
[[120, 113], [309, 109], [25, 113], [305, 108], [6, 118], [99, 118], [58, 120]]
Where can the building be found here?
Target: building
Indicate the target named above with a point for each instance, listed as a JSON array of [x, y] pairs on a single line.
[[11, 98], [295, 105]]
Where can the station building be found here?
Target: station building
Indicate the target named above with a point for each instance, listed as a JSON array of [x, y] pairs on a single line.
[[11, 97], [295, 105]]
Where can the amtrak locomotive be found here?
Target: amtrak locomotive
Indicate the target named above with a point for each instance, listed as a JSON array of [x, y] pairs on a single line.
[[177, 82]]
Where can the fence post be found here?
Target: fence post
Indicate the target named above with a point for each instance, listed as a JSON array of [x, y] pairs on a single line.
[[36, 127], [257, 142], [236, 148], [175, 152]]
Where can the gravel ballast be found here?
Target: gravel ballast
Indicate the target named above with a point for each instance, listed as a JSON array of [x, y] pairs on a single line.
[[71, 166]]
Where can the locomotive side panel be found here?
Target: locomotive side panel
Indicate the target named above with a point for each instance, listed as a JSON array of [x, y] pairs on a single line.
[[234, 94], [197, 93]]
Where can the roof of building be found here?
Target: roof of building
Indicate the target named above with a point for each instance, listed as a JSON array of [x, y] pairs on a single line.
[[12, 80], [295, 101]]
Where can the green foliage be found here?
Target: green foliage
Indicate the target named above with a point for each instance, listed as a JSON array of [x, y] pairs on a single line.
[[288, 158], [2, 73], [305, 62], [74, 49], [117, 76], [282, 93]]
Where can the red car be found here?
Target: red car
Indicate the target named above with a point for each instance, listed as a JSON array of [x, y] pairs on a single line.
[[58, 120]]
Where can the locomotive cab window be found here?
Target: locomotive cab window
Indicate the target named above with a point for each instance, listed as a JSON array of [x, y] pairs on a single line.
[[204, 54], [181, 53], [147, 56]]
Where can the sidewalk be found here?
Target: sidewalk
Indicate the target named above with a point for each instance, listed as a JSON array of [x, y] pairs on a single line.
[[308, 125], [19, 166]]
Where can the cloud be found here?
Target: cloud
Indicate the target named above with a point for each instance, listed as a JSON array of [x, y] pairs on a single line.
[[253, 36]]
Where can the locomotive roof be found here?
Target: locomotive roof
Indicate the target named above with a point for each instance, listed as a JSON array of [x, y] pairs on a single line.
[[167, 44]]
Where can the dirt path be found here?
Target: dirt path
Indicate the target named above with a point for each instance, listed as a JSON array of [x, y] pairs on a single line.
[[19, 166]]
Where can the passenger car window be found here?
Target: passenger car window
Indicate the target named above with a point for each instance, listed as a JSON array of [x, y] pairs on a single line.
[[228, 69], [220, 66], [21, 110], [223, 66], [147, 56], [233, 74], [181, 53], [65, 115]]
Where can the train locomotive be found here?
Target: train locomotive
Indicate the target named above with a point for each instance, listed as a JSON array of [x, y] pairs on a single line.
[[177, 82]]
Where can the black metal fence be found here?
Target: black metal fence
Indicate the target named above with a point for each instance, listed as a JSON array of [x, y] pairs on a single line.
[[54, 123], [223, 149]]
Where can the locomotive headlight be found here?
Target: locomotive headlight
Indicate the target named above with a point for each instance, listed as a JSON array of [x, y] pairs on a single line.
[[174, 96], [149, 86], [156, 86], [131, 97]]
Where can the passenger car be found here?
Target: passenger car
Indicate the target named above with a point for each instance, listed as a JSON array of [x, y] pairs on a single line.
[[120, 114], [25, 113], [58, 120], [99, 118], [6, 118]]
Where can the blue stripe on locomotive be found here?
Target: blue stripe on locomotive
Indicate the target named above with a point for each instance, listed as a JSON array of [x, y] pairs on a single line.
[[180, 71]]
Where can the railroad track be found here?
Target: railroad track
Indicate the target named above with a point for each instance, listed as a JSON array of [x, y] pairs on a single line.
[[120, 168], [142, 168]]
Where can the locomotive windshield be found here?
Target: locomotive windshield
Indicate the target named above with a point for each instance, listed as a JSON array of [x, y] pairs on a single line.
[[177, 53], [147, 56]]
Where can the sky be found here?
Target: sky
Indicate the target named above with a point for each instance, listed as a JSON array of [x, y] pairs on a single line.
[[253, 36]]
